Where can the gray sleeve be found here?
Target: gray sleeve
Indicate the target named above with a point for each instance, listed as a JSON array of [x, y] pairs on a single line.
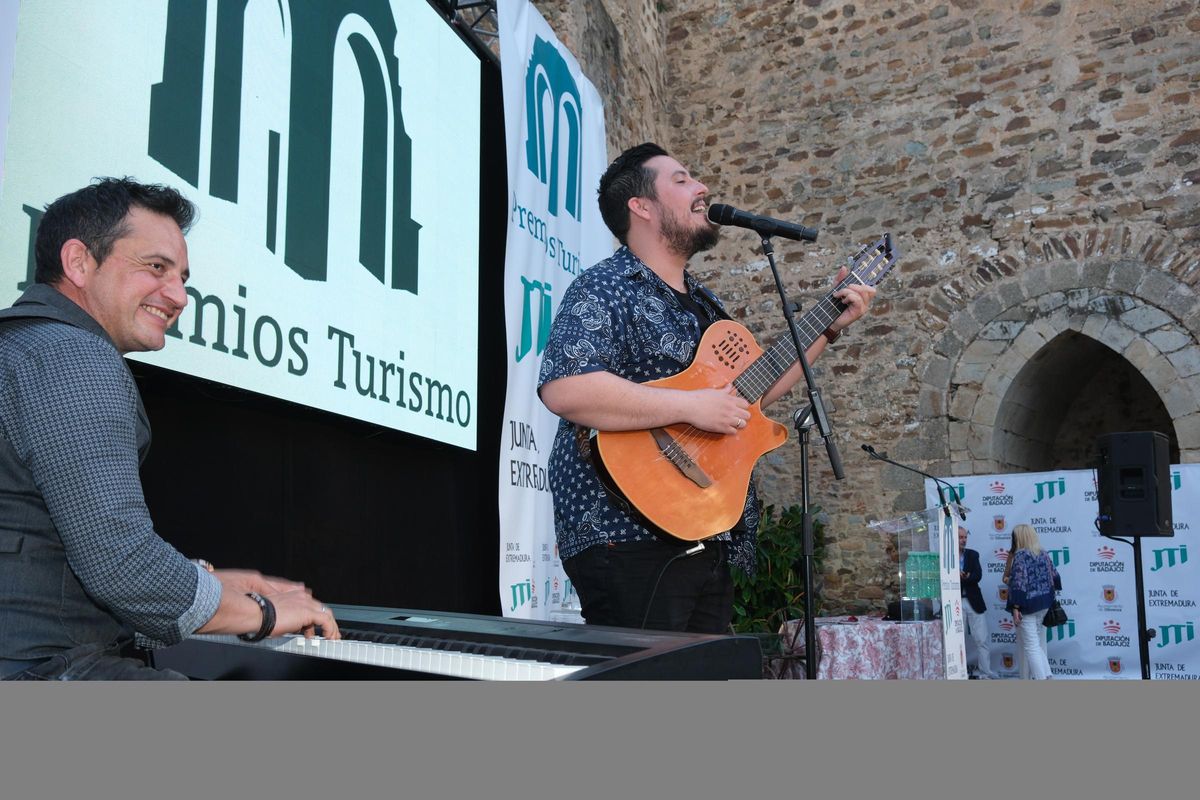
[[78, 407], [208, 597]]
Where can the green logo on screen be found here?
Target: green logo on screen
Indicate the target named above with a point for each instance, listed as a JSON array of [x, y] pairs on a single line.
[[240, 145]]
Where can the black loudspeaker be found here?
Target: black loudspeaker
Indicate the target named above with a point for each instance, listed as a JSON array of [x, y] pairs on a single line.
[[1133, 484]]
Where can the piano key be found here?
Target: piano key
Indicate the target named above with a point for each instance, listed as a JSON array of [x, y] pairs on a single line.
[[397, 644]]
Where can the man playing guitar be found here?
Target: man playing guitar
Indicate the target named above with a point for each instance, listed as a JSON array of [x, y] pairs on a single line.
[[635, 317]]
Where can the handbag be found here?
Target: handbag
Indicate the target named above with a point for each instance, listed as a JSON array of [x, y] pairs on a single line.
[[1055, 615]]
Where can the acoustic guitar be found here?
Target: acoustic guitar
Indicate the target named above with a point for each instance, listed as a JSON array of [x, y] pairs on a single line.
[[691, 484]]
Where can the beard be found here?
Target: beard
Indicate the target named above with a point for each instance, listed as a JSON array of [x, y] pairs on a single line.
[[684, 240]]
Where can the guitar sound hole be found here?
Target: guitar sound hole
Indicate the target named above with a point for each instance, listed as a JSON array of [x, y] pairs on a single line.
[[725, 354], [731, 350]]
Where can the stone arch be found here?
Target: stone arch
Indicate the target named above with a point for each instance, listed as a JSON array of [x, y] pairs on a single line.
[[1095, 289], [1073, 389]]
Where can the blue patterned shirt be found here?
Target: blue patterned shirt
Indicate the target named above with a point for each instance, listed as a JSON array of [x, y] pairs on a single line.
[[619, 317], [1031, 584]]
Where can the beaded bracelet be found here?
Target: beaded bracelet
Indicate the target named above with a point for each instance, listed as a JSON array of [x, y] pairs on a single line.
[[268, 619]]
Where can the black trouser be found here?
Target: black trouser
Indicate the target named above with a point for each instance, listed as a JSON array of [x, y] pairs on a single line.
[[653, 584], [95, 662]]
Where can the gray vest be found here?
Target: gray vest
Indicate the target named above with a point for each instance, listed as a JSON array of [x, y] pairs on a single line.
[[43, 607]]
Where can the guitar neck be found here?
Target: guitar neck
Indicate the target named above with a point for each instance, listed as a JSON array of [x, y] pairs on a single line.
[[765, 370]]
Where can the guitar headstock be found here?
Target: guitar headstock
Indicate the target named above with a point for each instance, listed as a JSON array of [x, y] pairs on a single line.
[[873, 261]]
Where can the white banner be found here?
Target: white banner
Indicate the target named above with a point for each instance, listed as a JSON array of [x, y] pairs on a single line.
[[953, 626], [554, 126], [1099, 639]]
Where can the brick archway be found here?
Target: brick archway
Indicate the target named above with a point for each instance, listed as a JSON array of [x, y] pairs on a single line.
[[1143, 315]]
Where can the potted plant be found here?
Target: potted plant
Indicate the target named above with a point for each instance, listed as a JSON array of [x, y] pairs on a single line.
[[775, 594]]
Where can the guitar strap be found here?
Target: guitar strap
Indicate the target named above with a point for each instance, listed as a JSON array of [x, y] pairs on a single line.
[[714, 305]]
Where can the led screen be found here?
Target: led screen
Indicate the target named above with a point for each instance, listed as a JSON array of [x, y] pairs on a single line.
[[333, 151]]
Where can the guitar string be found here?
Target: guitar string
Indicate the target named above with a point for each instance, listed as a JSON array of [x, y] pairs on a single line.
[[750, 384], [784, 348], [767, 363]]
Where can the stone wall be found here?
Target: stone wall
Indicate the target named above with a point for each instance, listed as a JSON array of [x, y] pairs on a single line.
[[621, 47], [1036, 163]]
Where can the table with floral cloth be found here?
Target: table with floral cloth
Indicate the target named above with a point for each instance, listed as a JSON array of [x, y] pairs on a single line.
[[869, 648]]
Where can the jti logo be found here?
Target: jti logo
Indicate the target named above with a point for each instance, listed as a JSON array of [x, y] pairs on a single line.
[[530, 290], [1047, 490], [1060, 557], [1165, 557], [1180, 633], [521, 593], [1061, 632], [1176, 480]]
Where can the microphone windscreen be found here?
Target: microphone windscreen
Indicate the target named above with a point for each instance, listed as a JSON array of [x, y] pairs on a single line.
[[720, 213]]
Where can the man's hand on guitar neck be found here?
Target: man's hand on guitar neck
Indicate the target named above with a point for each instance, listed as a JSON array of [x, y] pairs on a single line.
[[608, 402], [857, 298]]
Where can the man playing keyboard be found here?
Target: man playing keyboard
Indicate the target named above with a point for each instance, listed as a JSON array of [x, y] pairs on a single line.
[[83, 570]]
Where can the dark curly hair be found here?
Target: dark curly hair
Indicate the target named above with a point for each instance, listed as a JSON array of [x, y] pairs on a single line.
[[95, 215], [627, 177]]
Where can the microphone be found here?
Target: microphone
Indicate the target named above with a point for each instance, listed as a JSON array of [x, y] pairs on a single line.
[[722, 214], [873, 453]]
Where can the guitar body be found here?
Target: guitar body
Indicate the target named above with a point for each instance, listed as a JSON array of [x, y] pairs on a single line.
[[689, 484], [663, 494]]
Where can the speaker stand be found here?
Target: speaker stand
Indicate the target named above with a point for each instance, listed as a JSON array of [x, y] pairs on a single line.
[[1144, 634]]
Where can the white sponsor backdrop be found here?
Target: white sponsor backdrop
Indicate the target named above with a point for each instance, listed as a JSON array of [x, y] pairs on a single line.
[[554, 126], [1099, 639]]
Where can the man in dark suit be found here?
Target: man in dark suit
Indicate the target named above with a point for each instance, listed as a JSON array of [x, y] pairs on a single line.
[[974, 609]]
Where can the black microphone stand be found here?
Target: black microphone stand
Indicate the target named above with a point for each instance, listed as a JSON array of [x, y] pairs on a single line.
[[804, 422], [813, 414], [814, 394], [937, 482]]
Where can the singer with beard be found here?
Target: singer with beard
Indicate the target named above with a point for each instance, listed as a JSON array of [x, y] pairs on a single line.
[[634, 317]]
